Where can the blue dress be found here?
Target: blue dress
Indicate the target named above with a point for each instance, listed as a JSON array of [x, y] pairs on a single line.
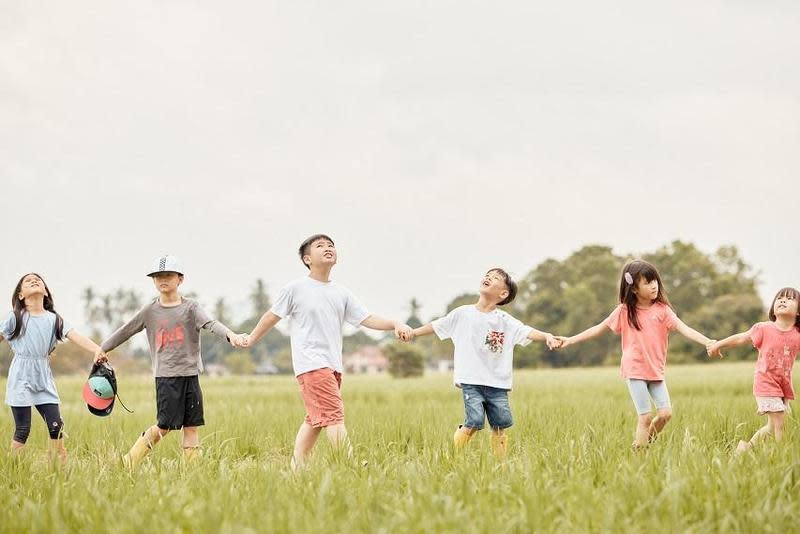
[[30, 379]]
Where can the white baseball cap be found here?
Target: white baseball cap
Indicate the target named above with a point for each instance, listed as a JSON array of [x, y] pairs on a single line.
[[166, 264]]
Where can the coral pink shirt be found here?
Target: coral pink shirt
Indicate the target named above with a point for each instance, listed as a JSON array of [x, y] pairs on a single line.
[[644, 352], [777, 351]]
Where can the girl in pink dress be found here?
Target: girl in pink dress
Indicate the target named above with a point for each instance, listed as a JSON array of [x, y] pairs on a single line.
[[777, 341], [644, 319]]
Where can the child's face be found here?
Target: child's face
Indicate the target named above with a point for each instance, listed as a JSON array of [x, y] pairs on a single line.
[[32, 285], [645, 289], [320, 252], [167, 282], [785, 306], [493, 286]]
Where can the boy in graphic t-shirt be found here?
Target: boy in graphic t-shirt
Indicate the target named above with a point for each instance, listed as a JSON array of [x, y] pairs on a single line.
[[317, 308], [484, 339], [173, 324]]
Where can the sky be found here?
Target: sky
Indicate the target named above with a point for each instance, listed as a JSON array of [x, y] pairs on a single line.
[[432, 140]]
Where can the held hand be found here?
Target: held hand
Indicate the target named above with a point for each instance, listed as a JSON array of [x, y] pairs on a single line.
[[713, 349], [237, 340], [552, 341], [403, 332], [100, 356], [563, 342]]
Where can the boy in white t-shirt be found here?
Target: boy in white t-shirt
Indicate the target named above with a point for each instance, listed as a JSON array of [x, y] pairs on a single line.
[[317, 308], [484, 339]]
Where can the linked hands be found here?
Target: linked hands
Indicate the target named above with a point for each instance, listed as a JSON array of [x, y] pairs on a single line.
[[554, 342], [713, 348], [241, 341], [403, 332], [100, 356]]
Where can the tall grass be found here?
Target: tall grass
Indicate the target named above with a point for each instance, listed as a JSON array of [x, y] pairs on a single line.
[[570, 466]]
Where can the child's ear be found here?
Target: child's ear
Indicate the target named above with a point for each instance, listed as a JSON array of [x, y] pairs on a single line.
[[307, 259], [504, 295]]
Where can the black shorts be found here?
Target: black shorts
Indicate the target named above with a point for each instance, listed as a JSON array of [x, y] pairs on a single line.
[[179, 402]]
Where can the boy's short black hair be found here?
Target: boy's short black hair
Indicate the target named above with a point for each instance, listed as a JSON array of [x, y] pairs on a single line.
[[510, 284], [307, 243]]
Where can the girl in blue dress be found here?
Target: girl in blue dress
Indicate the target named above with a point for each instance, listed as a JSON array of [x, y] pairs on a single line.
[[33, 329]]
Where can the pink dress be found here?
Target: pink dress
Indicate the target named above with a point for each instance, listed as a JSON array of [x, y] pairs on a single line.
[[644, 352], [777, 351]]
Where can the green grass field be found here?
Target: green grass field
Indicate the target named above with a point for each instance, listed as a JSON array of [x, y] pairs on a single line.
[[570, 467]]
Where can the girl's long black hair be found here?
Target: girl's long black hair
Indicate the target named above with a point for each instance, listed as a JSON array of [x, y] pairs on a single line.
[[635, 271], [18, 305], [790, 292]]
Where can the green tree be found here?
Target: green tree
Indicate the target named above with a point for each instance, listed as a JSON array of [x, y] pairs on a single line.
[[405, 360], [240, 363], [413, 320], [461, 300], [214, 348]]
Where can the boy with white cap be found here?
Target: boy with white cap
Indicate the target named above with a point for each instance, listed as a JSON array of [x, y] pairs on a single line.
[[173, 324]]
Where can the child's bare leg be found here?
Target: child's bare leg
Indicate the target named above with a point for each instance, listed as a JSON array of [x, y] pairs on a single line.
[[57, 450], [642, 436], [306, 438], [777, 419], [191, 438], [658, 423], [773, 427], [337, 435], [191, 443]]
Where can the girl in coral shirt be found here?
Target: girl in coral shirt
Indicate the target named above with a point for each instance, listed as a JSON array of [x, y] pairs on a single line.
[[643, 319], [777, 341]]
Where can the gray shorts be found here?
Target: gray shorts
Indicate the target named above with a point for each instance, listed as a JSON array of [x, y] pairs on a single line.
[[642, 391]]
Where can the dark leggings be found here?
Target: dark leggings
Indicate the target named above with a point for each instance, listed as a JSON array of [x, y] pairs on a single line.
[[22, 419]]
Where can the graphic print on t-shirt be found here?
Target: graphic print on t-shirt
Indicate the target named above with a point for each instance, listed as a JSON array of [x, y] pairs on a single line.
[[494, 341], [166, 337]]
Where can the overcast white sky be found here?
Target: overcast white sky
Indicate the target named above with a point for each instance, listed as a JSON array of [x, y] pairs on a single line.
[[431, 139]]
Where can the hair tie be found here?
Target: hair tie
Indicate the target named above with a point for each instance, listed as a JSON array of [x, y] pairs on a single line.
[[628, 278]]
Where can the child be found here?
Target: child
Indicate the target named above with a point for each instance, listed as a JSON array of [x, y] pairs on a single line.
[[644, 319], [317, 308], [777, 341], [33, 329], [484, 339], [173, 326]]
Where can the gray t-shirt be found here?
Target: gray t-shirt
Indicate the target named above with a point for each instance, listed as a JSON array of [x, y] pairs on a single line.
[[30, 379], [173, 334]]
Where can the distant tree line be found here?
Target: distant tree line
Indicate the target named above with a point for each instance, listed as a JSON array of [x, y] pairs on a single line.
[[714, 293]]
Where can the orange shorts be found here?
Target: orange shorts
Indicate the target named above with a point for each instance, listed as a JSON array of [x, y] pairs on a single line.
[[322, 397]]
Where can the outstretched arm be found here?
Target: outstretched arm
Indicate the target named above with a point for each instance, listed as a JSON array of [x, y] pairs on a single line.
[[401, 331], [589, 333], [265, 324], [424, 330], [87, 344], [119, 337], [691, 333], [547, 337], [735, 340]]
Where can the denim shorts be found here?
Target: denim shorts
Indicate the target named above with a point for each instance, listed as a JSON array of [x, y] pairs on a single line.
[[481, 402], [642, 390]]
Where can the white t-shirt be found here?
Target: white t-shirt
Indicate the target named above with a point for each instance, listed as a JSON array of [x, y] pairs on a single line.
[[316, 312], [484, 344]]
